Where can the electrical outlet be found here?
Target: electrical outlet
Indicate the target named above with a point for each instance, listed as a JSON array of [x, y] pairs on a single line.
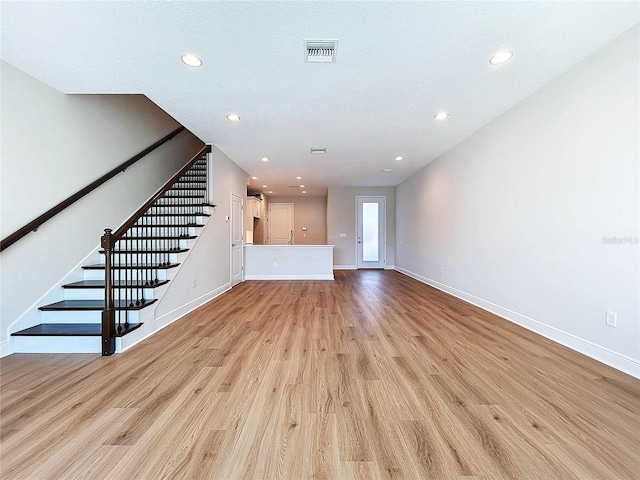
[[612, 318], [441, 270], [194, 282], [343, 235], [275, 264]]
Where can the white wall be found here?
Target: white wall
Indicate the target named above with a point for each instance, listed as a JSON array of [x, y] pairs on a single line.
[[52, 145], [209, 262], [516, 214], [341, 218]]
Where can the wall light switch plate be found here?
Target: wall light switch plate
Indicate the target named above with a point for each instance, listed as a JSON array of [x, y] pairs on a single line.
[[343, 235]]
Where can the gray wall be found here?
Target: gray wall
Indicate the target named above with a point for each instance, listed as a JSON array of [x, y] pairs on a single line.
[[341, 218], [53, 145], [516, 214]]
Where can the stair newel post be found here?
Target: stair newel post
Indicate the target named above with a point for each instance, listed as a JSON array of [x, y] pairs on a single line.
[[108, 314]]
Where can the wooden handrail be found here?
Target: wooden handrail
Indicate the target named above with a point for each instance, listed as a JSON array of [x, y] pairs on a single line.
[[117, 235], [33, 225]]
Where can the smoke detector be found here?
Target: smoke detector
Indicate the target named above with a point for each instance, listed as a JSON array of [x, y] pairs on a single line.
[[320, 51]]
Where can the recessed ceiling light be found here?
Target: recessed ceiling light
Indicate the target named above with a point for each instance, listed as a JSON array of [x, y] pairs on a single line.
[[301, 186], [265, 159], [270, 191], [388, 170], [234, 117], [441, 116], [254, 178], [304, 191], [299, 178], [501, 57], [399, 158], [191, 60], [264, 186]]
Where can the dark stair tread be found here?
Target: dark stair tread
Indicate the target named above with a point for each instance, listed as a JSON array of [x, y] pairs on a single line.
[[116, 284], [144, 252], [169, 197], [196, 214], [100, 266], [71, 330], [162, 237], [189, 188], [165, 225], [171, 205], [92, 305]]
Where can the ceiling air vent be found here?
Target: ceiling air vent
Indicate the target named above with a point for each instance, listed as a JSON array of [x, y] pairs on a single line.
[[320, 51], [318, 150]]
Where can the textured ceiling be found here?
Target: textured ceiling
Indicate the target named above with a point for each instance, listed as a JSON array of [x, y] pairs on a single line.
[[398, 63]]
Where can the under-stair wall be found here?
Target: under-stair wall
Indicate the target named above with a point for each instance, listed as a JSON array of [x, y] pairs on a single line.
[[209, 262], [52, 146]]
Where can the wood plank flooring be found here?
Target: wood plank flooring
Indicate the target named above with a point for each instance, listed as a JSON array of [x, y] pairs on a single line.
[[372, 376]]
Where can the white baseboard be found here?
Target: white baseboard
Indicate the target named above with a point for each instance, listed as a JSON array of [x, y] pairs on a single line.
[[355, 267], [173, 315], [5, 348], [290, 277], [602, 354]]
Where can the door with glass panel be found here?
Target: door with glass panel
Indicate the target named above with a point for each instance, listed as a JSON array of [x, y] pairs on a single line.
[[371, 232]]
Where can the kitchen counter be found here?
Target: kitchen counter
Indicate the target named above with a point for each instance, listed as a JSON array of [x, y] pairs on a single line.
[[288, 262]]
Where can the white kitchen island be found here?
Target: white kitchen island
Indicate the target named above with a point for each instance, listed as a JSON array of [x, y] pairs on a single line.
[[288, 262]]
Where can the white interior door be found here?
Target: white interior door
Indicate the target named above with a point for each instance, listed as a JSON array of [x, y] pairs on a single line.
[[281, 223], [371, 234], [237, 250]]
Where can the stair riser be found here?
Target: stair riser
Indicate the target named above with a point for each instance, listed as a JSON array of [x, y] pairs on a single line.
[[56, 344], [168, 219], [154, 257], [163, 231], [98, 293], [131, 274], [155, 244], [81, 316], [168, 208]]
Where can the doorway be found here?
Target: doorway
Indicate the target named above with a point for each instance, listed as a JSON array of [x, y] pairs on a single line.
[[371, 234], [281, 224], [237, 250]]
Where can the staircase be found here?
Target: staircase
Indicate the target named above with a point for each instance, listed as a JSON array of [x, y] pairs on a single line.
[[133, 269]]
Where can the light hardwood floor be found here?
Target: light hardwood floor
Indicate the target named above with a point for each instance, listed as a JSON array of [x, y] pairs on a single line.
[[372, 376]]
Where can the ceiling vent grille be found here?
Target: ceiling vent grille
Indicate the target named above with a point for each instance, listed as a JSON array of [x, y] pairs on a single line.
[[320, 51]]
